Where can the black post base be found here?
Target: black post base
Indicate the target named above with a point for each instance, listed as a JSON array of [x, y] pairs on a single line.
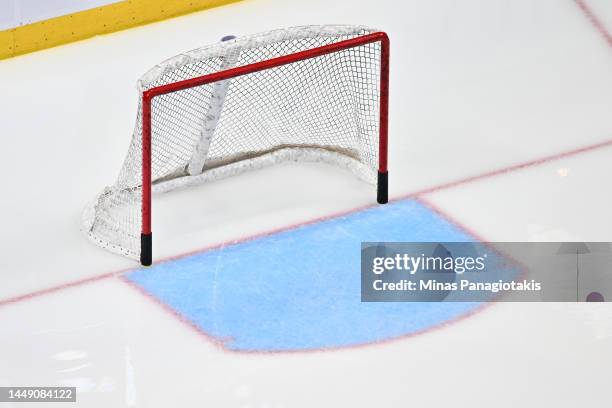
[[146, 249], [382, 195]]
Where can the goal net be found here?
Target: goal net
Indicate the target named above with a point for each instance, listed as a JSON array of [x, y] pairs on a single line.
[[314, 93]]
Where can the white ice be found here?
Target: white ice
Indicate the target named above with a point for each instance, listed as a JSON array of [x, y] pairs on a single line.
[[476, 86]]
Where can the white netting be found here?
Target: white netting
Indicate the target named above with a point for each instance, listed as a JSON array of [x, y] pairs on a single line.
[[320, 109]]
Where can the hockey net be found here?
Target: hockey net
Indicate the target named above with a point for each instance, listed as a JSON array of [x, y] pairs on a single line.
[[309, 108]]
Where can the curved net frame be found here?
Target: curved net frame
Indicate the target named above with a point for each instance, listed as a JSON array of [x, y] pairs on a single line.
[[324, 108]]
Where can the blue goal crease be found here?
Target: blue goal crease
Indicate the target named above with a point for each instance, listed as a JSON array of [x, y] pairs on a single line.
[[300, 289]]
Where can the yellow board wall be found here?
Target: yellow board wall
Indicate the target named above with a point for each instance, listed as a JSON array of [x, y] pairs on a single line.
[[100, 20]]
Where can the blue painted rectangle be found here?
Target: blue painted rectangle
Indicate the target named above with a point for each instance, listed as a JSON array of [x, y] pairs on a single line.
[[300, 289]]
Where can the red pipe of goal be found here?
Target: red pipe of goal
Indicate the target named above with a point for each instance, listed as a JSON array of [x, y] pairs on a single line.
[[148, 95]]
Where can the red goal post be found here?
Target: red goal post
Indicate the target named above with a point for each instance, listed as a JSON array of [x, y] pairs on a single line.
[[148, 95]]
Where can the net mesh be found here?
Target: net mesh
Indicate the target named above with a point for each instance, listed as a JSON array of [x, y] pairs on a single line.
[[320, 109]]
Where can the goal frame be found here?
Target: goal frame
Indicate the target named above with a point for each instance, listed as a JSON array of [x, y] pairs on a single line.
[[146, 236]]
